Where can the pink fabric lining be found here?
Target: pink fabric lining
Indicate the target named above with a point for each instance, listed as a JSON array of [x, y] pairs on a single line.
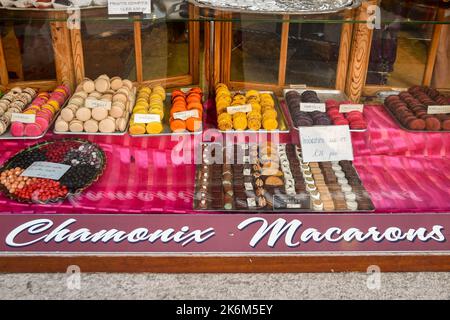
[[402, 171]]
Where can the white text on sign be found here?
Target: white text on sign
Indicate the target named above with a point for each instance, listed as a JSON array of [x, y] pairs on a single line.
[[146, 118], [24, 118], [94, 103], [327, 143], [345, 108], [184, 115], [242, 108]]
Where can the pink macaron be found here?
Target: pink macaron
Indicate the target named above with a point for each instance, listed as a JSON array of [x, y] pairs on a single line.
[[17, 129], [32, 130]]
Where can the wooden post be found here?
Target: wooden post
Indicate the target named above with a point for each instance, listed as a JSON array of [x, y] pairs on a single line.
[[283, 51], [194, 43], [207, 53], [62, 48], [432, 53], [138, 51], [360, 53], [3, 67], [217, 63], [77, 53], [227, 43], [344, 51]]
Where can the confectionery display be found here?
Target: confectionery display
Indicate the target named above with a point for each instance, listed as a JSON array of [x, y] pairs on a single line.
[[85, 162], [354, 119], [14, 101], [45, 107], [251, 110], [52, 4], [186, 111], [180, 112], [410, 109], [101, 106], [274, 177], [331, 115], [149, 101]]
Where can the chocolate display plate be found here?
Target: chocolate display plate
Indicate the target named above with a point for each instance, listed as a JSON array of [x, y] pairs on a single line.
[[323, 94], [8, 136], [283, 126], [308, 209], [277, 6], [5, 166], [388, 93], [166, 127]]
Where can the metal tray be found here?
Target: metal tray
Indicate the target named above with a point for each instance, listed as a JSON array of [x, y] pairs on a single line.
[[8, 136], [284, 9], [384, 94], [289, 210], [323, 94], [283, 126], [166, 127]]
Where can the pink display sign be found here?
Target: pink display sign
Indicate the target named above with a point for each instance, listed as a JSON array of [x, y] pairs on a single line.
[[225, 233]]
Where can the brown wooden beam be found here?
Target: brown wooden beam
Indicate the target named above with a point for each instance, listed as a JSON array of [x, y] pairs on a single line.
[[245, 264], [283, 51]]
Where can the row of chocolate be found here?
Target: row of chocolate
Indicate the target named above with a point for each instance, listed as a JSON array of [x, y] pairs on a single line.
[[411, 109], [274, 176]]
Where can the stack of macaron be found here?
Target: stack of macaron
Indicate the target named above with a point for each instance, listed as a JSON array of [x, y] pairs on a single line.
[[45, 107], [260, 112], [186, 111], [14, 101], [149, 101], [102, 105], [354, 119], [303, 118], [411, 109]]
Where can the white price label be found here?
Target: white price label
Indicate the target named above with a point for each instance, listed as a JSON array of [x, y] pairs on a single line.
[[129, 6], [184, 115], [247, 172], [251, 202], [345, 108], [95, 103], [46, 170], [310, 107], [246, 159], [146, 118], [330, 143], [24, 118], [242, 108], [293, 205], [438, 109], [185, 90], [248, 186], [297, 86]]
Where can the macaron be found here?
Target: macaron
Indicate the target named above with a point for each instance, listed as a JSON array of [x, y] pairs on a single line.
[[99, 113], [32, 130], [17, 129], [83, 114], [76, 126], [116, 83], [91, 126], [61, 125], [102, 84], [107, 125], [88, 85]]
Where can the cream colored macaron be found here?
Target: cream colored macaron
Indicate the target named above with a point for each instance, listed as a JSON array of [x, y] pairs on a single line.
[[99, 113], [67, 114], [102, 84], [61, 125], [107, 125], [83, 114], [116, 83], [88, 86], [76, 126], [91, 126]]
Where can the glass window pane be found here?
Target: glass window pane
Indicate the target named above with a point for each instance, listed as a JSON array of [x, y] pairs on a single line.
[[28, 50], [313, 54], [108, 49], [255, 52], [165, 50]]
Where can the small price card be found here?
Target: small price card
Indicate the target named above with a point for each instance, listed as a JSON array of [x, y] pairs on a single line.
[[345, 108], [330, 143], [438, 109], [129, 6], [310, 107], [46, 170], [184, 115], [24, 118], [95, 103], [242, 108], [146, 118]]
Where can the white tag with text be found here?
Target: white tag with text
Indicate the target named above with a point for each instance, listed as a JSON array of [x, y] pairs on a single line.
[[242, 108], [310, 107], [146, 118], [46, 170], [24, 118]]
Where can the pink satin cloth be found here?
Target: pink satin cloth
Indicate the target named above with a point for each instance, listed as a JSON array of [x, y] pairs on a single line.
[[402, 171]]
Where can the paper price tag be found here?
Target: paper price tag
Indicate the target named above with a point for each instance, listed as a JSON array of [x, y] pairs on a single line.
[[247, 172], [330, 143], [146, 118], [293, 205], [438, 109], [248, 186], [184, 115], [310, 107], [297, 86], [185, 90], [246, 159], [242, 108], [46, 170], [129, 6], [24, 118], [345, 108], [94, 103], [251, 202]]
